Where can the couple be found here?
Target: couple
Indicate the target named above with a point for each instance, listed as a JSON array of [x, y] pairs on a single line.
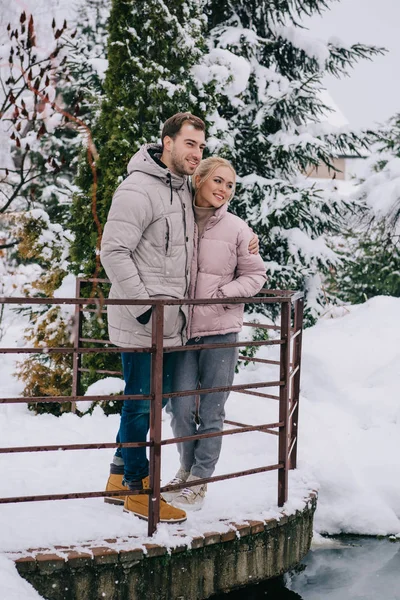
[[161, 239]]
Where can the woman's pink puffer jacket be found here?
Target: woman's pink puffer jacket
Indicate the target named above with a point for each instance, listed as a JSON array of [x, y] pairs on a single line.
[[223, 267]]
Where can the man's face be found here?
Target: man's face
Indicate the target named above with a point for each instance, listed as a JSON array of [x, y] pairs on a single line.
[[183, 154]]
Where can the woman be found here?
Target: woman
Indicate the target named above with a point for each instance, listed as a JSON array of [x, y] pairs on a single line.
[[222, 267]]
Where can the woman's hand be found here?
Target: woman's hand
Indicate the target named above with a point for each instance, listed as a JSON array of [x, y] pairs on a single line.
[[254, 245]]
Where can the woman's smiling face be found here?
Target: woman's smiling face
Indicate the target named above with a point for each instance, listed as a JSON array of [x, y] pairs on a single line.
[[217, 189]]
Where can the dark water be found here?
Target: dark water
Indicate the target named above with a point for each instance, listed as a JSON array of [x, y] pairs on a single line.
[[356, 568]]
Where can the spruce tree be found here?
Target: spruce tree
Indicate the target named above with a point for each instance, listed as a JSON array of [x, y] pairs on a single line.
[[370, 265], [152, 49], [371, 251], [272, 109]]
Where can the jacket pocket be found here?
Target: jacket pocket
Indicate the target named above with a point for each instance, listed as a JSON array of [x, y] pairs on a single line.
[[173, 323], [168, 237]]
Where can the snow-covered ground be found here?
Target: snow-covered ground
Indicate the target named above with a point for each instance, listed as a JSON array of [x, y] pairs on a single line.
[[349, 447]]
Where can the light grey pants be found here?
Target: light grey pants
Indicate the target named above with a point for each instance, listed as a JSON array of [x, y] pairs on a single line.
[[202, 369]]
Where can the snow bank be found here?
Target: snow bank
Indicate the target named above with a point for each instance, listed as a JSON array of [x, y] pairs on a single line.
[[13, 587], [350, 418]]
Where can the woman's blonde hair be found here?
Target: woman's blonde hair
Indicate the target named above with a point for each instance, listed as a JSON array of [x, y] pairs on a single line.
[[207, 167]]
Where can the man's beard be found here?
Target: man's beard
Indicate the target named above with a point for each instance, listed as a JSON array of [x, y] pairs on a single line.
[[178, 165]]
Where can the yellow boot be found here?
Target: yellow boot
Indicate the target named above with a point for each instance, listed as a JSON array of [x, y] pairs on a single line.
[[114, 484], [139, 506]]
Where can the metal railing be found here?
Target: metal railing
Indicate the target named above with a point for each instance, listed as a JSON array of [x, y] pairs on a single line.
[[288, 382]]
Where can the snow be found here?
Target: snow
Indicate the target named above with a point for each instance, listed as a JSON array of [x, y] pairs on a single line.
[[351, 418], [100, 65], [312, 46], [13, 587], [334, 116], [230, 72], [348, 446], [381, 190], [234, 36], [298, 241]]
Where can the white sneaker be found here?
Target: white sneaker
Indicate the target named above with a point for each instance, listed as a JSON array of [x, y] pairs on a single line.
[[180, 477], [191, 498]]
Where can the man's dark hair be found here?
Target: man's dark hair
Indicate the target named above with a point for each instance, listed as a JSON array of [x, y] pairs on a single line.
[[173, 125]]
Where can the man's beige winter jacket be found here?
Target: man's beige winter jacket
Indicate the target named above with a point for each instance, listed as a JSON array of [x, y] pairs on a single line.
[[147, 248]]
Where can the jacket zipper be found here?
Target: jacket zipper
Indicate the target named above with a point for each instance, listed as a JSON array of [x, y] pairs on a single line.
[[186, 253], [199, 238], [196, 246], [185, 240]]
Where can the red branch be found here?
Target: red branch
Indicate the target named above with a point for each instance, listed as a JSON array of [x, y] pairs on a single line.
[[92, 155]]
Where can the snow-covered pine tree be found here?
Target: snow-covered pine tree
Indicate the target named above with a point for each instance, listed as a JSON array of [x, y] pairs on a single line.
[[370, 264], [152, 47], [272, 110], [371, 252]]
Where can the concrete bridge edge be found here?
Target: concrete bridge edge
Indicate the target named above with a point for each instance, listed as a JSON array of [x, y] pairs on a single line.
[[214, 563]]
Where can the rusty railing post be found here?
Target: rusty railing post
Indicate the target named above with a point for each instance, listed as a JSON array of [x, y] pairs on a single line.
[[283, 457], [76, 357], [156, 391], [298, 327]]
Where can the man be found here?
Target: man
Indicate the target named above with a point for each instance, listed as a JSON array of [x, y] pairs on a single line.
[[146, 252]]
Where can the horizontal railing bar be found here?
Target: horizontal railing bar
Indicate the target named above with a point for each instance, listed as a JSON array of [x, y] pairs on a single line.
[[262, 326], [94, 341], [185, 484], [296, 296], [103, 494], [244, 425], [273, 292], [48, 350], [73, 496], [115, 350], [260, 394], [62, 399], [276, 292], [201, 436], [102, 371], [228, 345], [93, 280], [228, 388], [144, 301], [259, 360], [122, 397], [53, 448], [56, 447]]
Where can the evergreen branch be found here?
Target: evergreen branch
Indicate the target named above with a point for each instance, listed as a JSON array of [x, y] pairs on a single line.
[[341, 59]]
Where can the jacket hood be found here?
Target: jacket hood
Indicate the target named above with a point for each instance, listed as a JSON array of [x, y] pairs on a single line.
[[146, 160]]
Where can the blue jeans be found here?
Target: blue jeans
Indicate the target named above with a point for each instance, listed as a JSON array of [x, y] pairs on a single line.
[[209, 368], [135, 417]]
